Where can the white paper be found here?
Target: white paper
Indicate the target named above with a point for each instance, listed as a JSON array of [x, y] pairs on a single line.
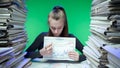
[[61, 46]]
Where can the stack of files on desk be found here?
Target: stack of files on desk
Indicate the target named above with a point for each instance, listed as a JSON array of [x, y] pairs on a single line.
[[105, 20], [17, 62], [12, 34], [5, 54], [105, 31], [94, 51], [113, 55]]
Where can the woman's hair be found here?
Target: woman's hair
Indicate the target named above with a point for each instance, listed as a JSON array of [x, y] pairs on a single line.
[[57, 13]]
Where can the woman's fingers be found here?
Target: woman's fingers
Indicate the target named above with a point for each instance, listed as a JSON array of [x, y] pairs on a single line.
[[49, 47], [46, 50], [74, 55]]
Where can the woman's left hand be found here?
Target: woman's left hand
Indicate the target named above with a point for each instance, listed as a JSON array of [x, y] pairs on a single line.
[[73, 55]]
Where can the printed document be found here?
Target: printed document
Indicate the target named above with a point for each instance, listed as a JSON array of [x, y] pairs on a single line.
[[60, 46]]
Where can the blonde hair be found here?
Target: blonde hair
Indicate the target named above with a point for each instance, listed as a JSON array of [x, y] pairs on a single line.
[[57, 14]]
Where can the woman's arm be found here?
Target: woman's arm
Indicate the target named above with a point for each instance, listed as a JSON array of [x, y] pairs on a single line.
[[79, 46], [36, 45]]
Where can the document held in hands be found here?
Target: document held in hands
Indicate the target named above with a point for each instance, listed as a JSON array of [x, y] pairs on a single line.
[[60, 46]]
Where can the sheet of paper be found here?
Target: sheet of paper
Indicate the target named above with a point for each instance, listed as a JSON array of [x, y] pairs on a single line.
[[61, 46]]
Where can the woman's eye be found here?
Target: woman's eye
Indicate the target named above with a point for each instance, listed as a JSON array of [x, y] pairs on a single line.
[[53, 28]]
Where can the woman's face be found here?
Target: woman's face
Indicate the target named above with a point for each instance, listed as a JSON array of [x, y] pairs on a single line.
[[56, 26]]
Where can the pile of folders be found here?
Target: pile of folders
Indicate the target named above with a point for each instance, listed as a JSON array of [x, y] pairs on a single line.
[[13, 37], [103, 45]]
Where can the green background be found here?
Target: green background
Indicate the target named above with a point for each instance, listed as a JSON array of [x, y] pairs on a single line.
[[78, 15]]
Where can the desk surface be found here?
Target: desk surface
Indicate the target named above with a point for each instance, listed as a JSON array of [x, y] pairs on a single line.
[[83, 64]]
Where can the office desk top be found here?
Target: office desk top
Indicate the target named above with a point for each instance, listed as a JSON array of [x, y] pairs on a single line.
[[83, 64]]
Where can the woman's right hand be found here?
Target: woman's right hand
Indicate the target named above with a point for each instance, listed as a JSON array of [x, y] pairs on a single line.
[[46, 50]]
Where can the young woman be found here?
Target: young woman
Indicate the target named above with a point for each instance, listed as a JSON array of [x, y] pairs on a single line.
[[58, 27]]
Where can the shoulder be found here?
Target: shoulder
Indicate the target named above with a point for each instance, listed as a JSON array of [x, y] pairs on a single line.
[[42, 34], [71, 35]]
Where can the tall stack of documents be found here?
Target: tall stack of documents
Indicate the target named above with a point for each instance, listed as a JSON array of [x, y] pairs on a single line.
[[105, 32], [13, 36]]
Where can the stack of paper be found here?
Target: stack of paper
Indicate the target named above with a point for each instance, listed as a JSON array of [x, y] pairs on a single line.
[[94, 51], [105, 20], [13, 36], [105, 31]]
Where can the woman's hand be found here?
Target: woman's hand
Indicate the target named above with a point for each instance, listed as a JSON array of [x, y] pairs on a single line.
[[46, 50], [73, 55]]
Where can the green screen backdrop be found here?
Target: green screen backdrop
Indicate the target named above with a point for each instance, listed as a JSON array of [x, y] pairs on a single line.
[[78, 15]]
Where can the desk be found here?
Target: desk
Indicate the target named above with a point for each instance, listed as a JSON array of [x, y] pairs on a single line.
[[83, 64]]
